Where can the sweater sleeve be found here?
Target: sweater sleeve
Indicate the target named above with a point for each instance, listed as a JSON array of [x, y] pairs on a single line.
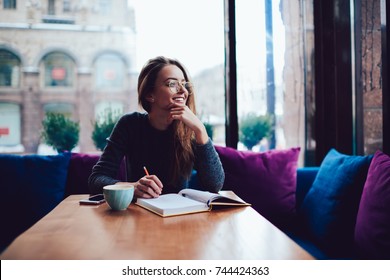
[[209, 167]]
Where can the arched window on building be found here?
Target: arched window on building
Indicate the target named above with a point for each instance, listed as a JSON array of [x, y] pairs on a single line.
[[10, 66], [110, 70], [10, 128], [58, 69]]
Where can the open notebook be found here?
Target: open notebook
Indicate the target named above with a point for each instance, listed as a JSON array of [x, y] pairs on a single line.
[[189, 201]]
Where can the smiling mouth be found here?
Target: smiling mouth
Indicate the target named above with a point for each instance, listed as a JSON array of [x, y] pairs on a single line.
[[179, 99]]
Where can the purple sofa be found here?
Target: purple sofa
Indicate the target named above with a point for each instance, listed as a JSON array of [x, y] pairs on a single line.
[[339, 210]]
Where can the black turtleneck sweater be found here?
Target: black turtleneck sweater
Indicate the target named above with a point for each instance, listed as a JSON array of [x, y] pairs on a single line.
[[143, 145]]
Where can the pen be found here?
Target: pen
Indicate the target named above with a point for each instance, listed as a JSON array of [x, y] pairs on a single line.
[[146, 171]]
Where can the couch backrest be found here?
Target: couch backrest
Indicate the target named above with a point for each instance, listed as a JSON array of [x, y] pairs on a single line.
[[305, 178], [80, 168]]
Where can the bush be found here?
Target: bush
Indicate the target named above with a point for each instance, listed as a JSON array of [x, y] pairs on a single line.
[[60, 132], [102, 128], [254, 128]]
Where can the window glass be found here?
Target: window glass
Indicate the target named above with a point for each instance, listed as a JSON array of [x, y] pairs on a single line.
[[9, 69], [104, 7], [371, 76], [58, 108], [66, 7], [57, 45], [190, 31], [193, 33], [110, 71], [275, 47], [259, 95], [51, 7], [58, 70], [10, 135], [106, 107], [9, 4]]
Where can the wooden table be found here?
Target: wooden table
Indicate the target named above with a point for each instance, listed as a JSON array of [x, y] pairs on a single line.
[[73, 231]]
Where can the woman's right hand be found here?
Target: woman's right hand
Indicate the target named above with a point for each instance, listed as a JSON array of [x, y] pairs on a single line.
[[148, 186]]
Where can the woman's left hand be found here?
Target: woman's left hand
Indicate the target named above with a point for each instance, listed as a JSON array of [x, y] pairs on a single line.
[[183, 113]]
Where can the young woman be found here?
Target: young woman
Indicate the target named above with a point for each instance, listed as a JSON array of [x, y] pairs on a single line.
[[169, 139]]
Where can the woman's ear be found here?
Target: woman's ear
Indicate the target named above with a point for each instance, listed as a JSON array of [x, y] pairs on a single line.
[[150, 98]]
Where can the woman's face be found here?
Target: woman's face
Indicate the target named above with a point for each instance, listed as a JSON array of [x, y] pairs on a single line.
[[168, 89]]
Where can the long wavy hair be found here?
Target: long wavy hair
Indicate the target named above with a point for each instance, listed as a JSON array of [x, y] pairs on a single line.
[[182, 135]]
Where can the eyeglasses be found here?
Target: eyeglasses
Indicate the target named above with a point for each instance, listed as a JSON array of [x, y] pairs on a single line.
[[175, 86]]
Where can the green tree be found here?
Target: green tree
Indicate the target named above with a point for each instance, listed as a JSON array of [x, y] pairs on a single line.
[[254, 128], [60, 132], [102, 128]]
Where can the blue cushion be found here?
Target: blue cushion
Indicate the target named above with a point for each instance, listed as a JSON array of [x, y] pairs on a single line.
[[330, 207], [31, 186]]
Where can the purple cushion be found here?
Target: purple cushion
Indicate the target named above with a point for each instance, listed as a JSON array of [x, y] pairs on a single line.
[[372, 230], [80, 168], [266, 180]]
